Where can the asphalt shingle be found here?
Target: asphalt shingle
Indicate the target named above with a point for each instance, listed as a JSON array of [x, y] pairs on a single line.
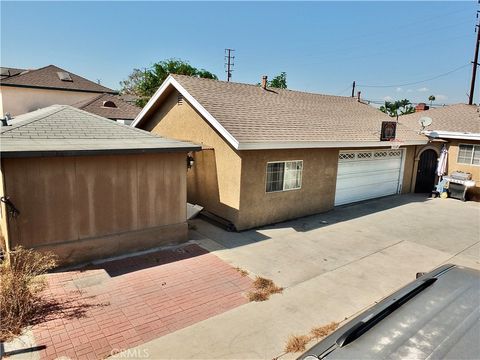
[[63, 129], [123, 109], [251, 114], [47, 77]]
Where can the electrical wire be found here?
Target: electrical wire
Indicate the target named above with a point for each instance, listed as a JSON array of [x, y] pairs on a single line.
[[415, 82]]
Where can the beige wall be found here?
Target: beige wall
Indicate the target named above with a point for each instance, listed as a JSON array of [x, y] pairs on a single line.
[[214, 181], [317, 193], [231, 183], [95, 203], [17, 101], [452, 165]]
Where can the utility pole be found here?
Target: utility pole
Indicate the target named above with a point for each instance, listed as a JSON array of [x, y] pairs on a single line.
[[475, 64], [353, 89], [229, 63]]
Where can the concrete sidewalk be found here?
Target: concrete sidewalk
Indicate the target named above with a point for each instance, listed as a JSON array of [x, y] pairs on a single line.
[[332, 266]]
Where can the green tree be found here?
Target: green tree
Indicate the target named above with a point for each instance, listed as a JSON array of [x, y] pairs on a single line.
[[431, 98], [397, 108], [143, 84], [279, 81]]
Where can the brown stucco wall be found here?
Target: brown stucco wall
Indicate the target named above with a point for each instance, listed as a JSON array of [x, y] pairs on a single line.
[[214, 180], [452, 165], [316, 195], [97, 205]]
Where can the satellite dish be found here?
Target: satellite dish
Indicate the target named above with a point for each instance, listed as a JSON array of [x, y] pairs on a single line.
[[425, 121]]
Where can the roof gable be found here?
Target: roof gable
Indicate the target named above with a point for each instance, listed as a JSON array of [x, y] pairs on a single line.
[[250, 117], [48, 78]]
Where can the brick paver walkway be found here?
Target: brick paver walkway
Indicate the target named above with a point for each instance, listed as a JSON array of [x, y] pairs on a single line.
[[127, 302]]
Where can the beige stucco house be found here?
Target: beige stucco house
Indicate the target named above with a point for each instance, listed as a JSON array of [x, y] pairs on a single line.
[[458, 127], [271, 154], [23, 90], [86, 187]]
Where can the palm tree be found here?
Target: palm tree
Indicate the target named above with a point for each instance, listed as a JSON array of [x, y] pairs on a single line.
[[397, 108], [431, 98]]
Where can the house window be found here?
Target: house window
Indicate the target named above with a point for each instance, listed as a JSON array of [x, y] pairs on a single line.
[[284, 175], [468, 154]]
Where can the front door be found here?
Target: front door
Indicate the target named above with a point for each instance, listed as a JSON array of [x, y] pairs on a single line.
[[426, 172]]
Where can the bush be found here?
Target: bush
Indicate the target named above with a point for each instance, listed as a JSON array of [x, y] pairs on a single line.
[[21, 284]]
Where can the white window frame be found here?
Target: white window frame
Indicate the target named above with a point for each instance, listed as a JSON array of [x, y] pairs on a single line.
[[471, 157], [284, 175]]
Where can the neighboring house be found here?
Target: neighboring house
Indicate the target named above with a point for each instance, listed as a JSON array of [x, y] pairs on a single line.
[[87, 187], [22, 91], [271, 154], [111, 107], [457, 126]]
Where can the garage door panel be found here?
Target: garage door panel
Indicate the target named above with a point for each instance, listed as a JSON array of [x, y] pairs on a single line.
[[366, 175], [345, 196], [374, 165], [379, 178]]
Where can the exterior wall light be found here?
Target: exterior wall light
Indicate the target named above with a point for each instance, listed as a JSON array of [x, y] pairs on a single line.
[[190, 161]]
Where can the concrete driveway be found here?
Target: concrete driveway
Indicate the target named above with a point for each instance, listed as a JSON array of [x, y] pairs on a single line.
[[331, 265]]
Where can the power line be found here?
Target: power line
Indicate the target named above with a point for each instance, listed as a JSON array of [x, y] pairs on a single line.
[[229, 63], [416, 82]]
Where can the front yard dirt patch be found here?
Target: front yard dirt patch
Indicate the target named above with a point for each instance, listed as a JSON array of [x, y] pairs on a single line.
[[123, 303]]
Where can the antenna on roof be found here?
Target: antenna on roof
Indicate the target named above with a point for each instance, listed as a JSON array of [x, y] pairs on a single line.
[[229, 63]]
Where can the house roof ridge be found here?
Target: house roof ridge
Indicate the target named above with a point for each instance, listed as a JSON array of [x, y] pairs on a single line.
[[256, 86]]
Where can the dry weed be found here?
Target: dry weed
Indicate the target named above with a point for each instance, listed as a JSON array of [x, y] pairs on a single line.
[[21, 283], [263, 289], [325, 330], [242, 271], [296, 343]]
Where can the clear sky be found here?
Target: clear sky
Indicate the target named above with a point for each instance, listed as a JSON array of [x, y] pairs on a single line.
[[322, 46]]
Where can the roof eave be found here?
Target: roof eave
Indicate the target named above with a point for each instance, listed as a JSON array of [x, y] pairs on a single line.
[[93, 152], [273, 145], [452, 135], [113, 92]]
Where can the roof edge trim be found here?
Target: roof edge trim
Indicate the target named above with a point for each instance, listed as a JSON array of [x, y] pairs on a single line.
[[270, 145], [452, 135], [113, 92], [209, 117]]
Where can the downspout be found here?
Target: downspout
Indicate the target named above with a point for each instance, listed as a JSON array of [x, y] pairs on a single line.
[[6, 236]]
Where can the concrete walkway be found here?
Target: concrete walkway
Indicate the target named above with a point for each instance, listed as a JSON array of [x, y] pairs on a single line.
[[331, 265]]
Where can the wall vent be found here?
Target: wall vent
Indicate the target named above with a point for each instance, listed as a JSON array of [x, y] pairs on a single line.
[[180, 99]]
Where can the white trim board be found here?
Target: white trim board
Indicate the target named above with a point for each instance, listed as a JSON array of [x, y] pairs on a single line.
[[254, 145], [452, 135]]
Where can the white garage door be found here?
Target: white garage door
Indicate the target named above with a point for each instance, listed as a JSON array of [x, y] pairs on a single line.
[[368, 174]]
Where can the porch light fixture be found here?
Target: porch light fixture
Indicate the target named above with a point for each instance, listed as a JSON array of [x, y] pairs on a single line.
[[190, 161]]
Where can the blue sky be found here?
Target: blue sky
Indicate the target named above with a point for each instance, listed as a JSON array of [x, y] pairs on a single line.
[[322, 46]]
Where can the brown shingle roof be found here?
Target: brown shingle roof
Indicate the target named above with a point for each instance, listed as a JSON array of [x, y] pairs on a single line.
[[7, 72], [123, 109], [455, 118], [48, 78], [251, 114]]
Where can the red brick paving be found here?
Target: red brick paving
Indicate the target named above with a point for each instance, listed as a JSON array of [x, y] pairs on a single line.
[[123, 303]]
